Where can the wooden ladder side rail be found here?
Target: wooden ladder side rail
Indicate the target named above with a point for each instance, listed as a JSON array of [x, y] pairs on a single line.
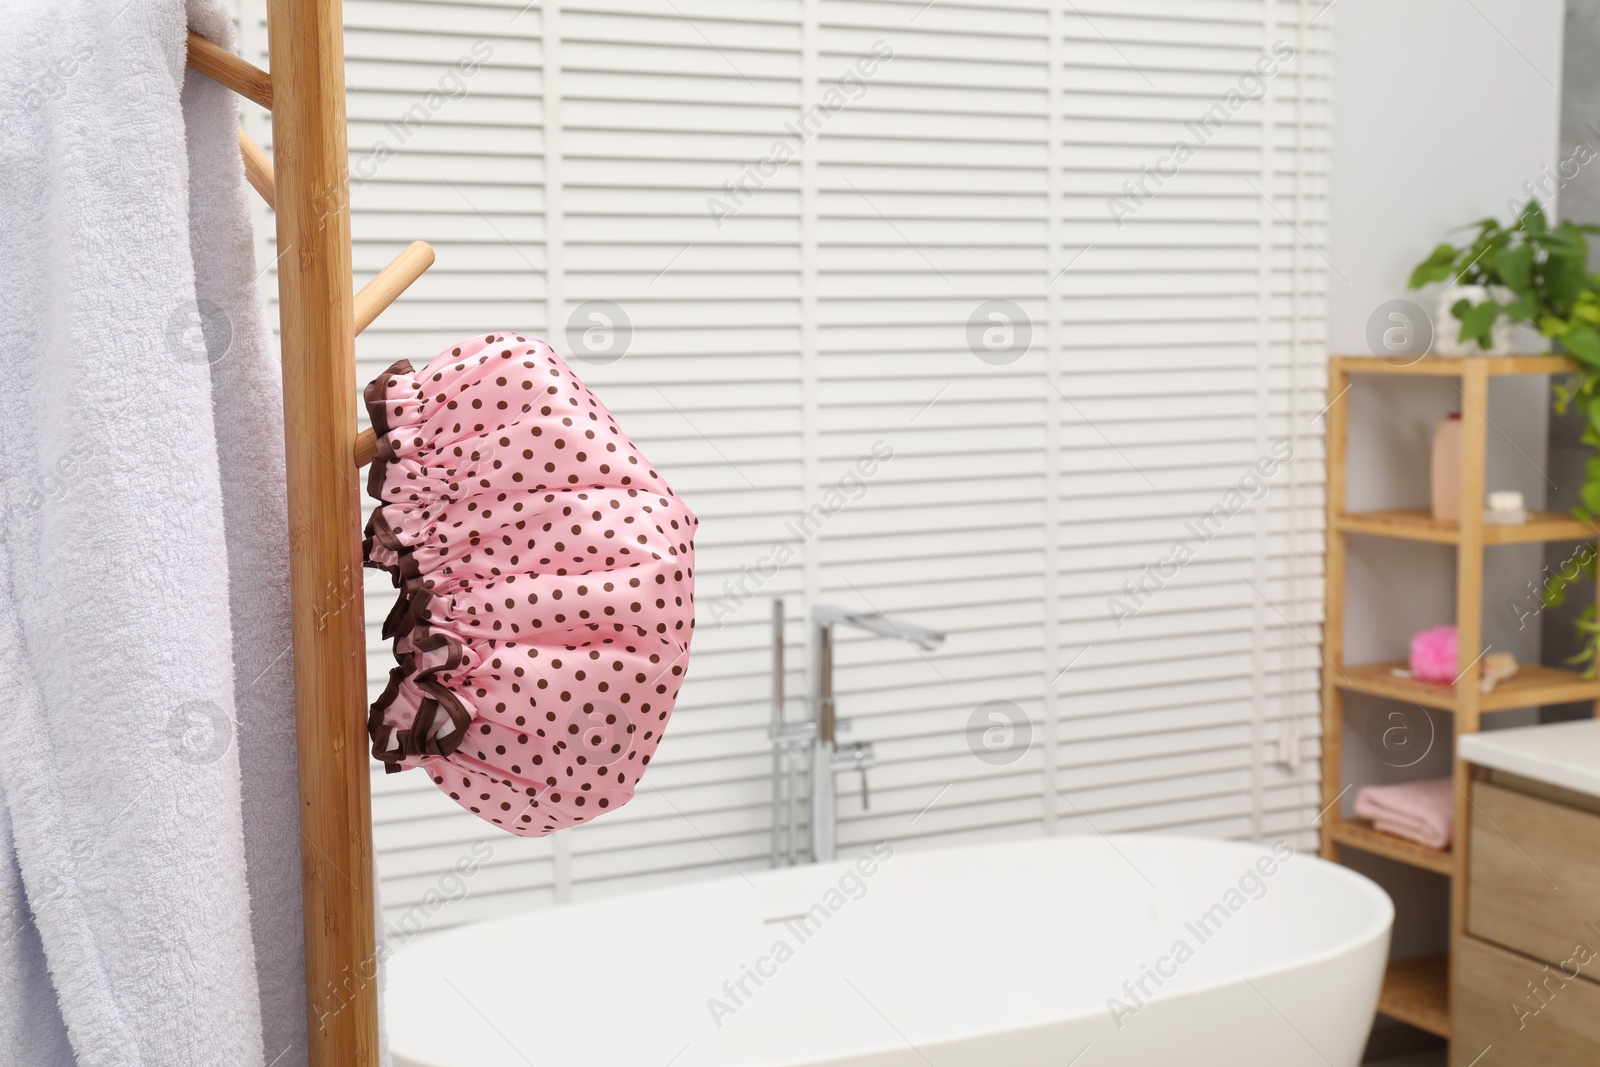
[[317, 329]]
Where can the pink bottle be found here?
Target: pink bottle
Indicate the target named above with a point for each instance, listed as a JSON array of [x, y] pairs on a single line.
[[1447, 469]]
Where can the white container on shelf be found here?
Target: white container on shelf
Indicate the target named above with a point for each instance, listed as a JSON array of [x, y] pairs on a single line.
[[1506, 507]]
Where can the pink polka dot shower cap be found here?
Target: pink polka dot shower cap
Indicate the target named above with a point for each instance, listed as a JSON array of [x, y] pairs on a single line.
[[546, 578]]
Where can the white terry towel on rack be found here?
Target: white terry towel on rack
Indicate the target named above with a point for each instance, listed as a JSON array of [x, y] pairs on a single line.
[[147, 794]]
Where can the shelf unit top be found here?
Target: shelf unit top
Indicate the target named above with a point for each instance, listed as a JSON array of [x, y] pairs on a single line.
[[1451, 366]]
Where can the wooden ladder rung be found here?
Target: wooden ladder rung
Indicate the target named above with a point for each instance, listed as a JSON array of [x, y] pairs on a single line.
[[225, 68], [391, 281], [366, 447], [378, 294], [257, 168]]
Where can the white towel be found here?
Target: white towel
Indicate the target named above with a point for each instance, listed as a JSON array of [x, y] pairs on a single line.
[[148, 784], [31, 1030]]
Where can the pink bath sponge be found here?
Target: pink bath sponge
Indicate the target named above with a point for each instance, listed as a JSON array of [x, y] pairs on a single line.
[[1433, 655]]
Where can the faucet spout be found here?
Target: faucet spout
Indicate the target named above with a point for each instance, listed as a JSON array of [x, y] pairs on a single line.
[[920, 637]]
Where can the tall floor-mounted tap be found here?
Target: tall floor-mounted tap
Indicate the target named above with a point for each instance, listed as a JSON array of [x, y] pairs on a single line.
[[818, 736]]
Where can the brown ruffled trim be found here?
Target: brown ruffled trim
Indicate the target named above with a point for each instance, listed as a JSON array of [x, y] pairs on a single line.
[[404, 572], [378, 412], [408, 616], [416, 740]]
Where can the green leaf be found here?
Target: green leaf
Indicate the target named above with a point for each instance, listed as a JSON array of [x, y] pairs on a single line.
[[1562, 282], [1439, 265], [1566, 236], [1426, 274], [1443, 253], [1583, 341], [1532, 218], [1472, 268], [1576, 234], [1591, 496], [1515, 267], [1477, 322], [1522, 309], [1586, 656]]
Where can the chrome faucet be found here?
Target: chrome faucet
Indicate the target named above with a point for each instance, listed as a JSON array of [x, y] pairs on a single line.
[[818, 736]]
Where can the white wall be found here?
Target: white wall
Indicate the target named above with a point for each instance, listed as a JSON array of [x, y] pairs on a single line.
[[1442, 110]]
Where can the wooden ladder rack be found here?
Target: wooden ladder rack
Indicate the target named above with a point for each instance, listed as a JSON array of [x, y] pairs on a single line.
[[307, 185]]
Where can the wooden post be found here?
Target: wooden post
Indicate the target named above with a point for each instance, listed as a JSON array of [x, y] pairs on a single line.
[[1338, 446], [1469, 636], [306, 42]]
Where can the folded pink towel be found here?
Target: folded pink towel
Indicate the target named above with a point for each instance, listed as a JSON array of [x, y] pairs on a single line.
[[1423, 811]]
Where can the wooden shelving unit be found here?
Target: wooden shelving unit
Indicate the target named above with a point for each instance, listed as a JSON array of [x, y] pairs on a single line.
[[1419, 991]]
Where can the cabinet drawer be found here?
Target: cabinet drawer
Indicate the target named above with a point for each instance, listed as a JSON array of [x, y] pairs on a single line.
[[1515, 1012], [1534, 874]]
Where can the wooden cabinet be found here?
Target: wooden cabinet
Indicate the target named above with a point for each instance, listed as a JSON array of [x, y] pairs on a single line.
[[1527, 976], [1512, 1011]]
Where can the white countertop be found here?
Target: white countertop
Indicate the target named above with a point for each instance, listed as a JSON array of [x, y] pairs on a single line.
[[1566, 754]]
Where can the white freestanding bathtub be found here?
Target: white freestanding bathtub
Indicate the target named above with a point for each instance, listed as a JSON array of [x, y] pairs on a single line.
[[1085, 951]]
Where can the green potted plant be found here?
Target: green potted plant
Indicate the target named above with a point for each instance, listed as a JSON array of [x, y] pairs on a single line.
[[1530, 272], [1539, 274]]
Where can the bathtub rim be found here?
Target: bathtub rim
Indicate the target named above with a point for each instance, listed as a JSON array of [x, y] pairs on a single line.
[[1379, 928]]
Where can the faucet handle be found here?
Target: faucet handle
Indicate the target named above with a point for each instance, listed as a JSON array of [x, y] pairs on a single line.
[[859, 756]]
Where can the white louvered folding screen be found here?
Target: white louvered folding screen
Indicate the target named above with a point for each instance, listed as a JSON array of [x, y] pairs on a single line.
[[878, 311]]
